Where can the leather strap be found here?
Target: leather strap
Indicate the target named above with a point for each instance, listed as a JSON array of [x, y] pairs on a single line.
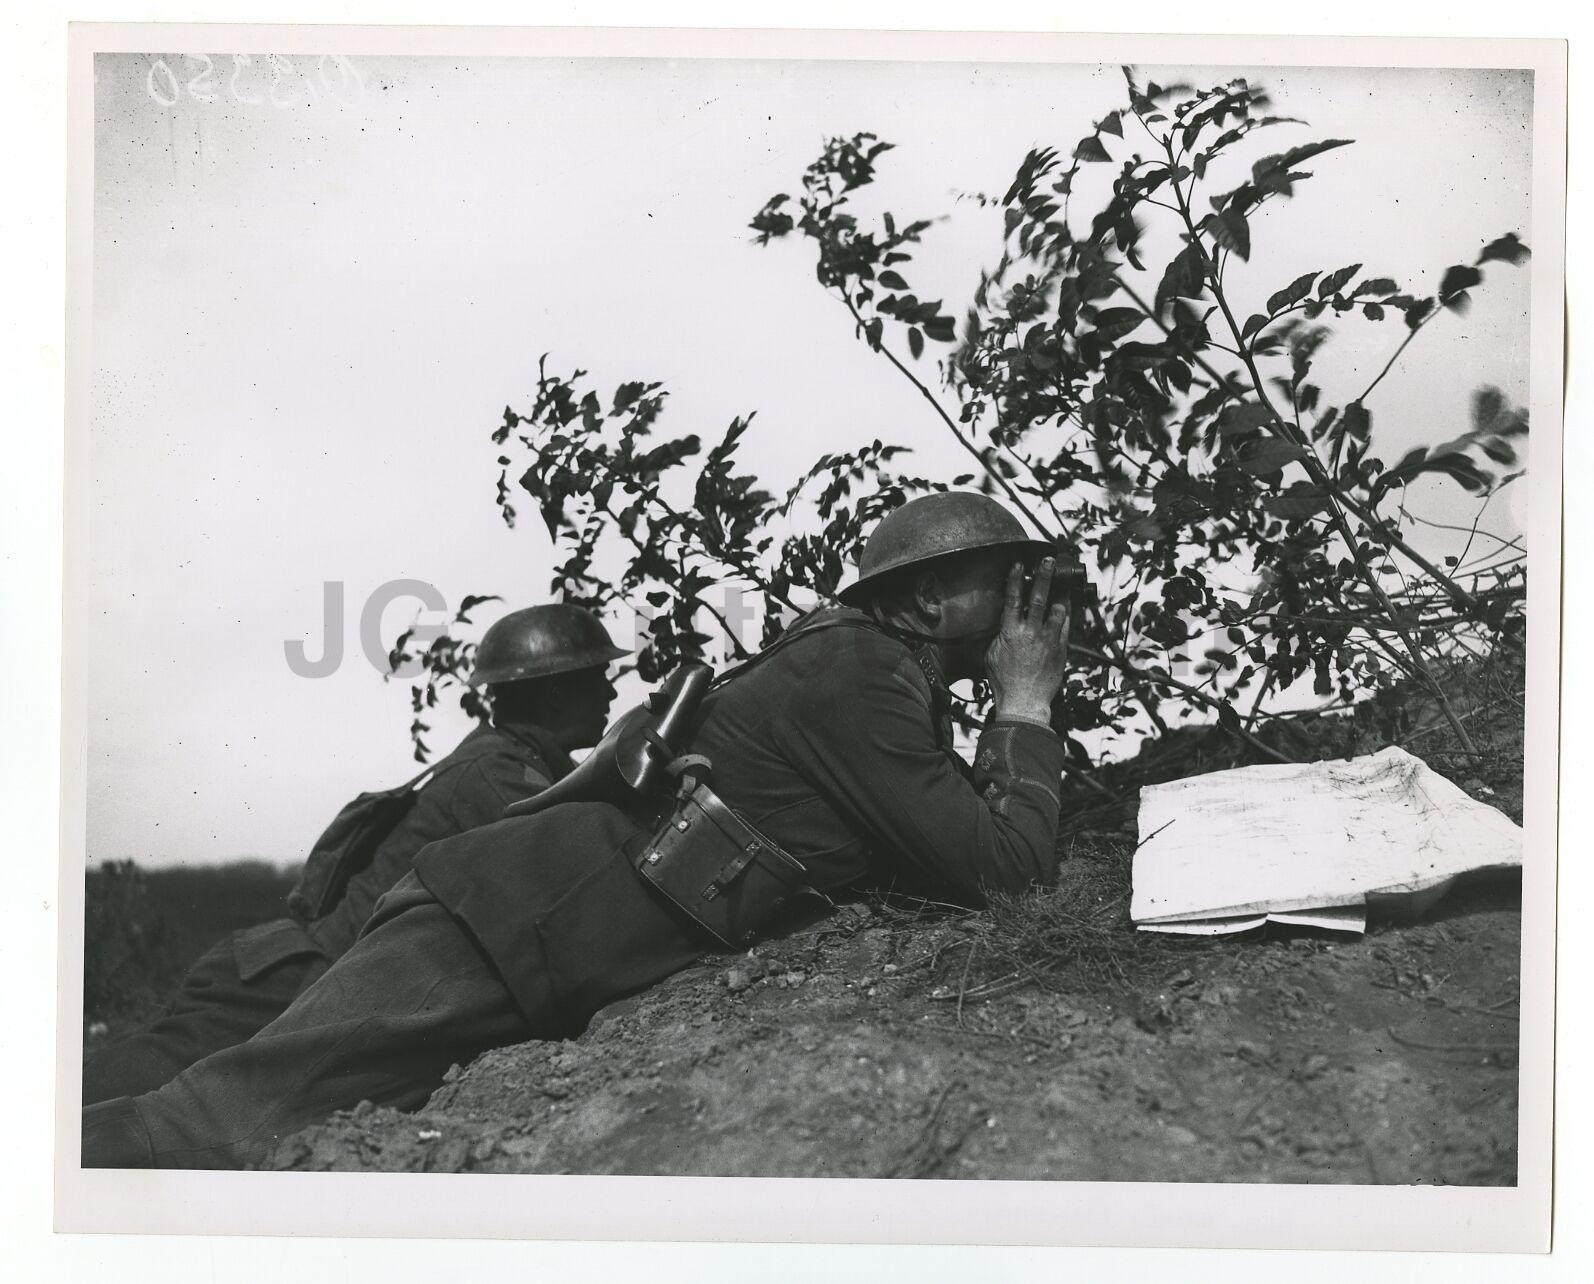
[[750, 840]]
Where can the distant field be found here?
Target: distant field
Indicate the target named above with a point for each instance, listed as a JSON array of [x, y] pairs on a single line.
[[143, 927]]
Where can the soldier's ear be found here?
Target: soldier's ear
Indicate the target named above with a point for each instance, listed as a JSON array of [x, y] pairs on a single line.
[[929, 595]]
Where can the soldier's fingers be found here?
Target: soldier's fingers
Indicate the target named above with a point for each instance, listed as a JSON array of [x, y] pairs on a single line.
[[1058, 618], [1041, 591], [1015, 593]]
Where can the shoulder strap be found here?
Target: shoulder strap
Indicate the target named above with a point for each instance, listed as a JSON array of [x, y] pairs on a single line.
[[792, 634]]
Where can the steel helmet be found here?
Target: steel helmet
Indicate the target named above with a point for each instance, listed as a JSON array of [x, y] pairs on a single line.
[[540, 641], [953, 521]]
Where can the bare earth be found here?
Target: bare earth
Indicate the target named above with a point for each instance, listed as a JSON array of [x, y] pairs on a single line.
[[885, 1043]]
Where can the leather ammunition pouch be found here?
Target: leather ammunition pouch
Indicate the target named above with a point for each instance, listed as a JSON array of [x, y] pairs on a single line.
[[717, 869]]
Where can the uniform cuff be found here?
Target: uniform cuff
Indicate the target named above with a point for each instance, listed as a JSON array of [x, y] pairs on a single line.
[[1021, 722]]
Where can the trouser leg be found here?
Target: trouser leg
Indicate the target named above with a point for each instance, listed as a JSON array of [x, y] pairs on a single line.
[[414, 995], [214, 1008]]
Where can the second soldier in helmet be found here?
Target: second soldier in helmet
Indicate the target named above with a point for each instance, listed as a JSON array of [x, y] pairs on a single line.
[[546, 673]]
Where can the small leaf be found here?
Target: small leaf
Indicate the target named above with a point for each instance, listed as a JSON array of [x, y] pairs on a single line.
[[1114, 323], [1232, 232], [1184, 277], [1458, 280], [1298, 501], [1373, 311], [1292, 293], [471, 602], [1090, 149], [1356, 423], [1508, 249], [1229, 718], [1268, 455], [1417, 312], [1253, 323], [1378, 285], [892, 281], [915, 342], [1243, 418], [1499, 450], [1331, 283], [1266, 169]]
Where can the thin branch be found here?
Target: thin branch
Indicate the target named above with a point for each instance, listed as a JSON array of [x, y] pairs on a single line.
[[1389, 365], [1199, 696], [1465, 530], [1256, 705]]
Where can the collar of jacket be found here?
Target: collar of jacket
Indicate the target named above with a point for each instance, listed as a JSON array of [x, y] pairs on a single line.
[[539, 745], [929, 659]]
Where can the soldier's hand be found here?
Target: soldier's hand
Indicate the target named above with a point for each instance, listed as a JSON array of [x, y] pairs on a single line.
[[1027, 660]]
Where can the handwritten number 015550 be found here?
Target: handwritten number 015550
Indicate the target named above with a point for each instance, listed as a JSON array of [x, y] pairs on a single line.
[[343, 83]]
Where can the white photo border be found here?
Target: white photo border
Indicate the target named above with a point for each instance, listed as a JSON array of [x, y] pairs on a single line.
[[848, 1211]]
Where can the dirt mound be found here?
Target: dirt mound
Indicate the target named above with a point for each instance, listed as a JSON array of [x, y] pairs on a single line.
[[1044, 1039]]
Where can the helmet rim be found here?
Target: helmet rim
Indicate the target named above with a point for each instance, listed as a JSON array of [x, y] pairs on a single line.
[[931, 527], [542, 642]]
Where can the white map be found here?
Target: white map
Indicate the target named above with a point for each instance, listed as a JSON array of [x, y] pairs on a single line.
[[1306, 843]]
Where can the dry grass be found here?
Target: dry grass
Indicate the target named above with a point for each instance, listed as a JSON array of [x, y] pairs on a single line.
[[1074, 937], [1077, 936]]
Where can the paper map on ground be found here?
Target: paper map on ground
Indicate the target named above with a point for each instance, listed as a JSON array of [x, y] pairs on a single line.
[[1306, 843]]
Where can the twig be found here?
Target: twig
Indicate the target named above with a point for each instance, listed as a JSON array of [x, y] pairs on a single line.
[[1389, 365], [1256, 705], [1450, 1047], [925, 1153], [1153, 834], [963, 984], [1469, 714], [1088, 778], [1194, 693]]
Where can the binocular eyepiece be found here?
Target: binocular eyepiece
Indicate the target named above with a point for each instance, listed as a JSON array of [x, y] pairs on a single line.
[[1069, 579]]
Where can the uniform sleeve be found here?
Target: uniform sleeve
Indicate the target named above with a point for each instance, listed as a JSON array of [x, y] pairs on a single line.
[[869, 748]]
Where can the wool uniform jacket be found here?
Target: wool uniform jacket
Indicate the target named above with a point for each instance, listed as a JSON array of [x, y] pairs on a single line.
[[489, 769], [835, 747]]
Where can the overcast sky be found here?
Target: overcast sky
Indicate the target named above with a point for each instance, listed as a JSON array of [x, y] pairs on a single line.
[[308, 318]]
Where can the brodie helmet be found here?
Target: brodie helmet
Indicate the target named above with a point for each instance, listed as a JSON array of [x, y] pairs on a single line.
[[540, 641], [932, 526]]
